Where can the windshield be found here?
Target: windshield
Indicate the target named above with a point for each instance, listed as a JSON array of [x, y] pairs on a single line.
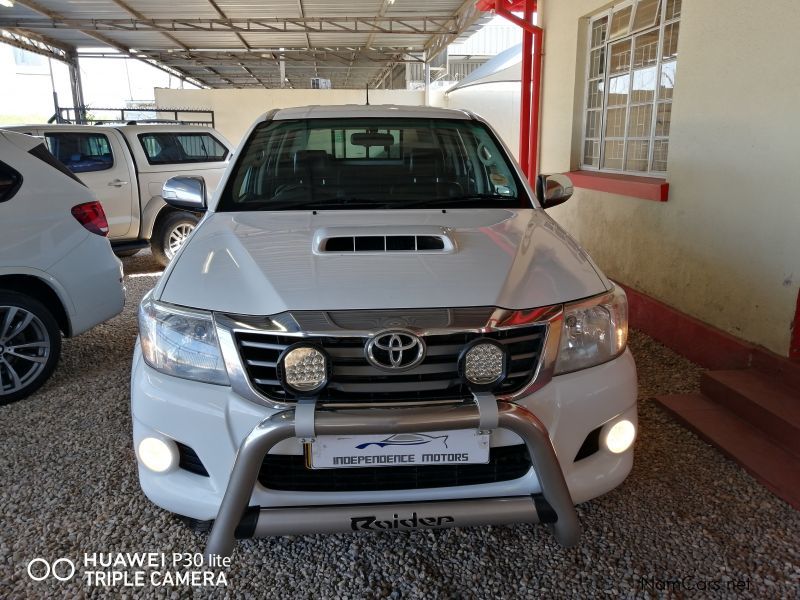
[[338, 164]]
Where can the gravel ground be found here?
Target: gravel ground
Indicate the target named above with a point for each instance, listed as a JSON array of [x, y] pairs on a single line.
[[686, 513]]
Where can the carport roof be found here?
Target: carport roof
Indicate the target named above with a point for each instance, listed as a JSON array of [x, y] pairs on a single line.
[[242, 43]]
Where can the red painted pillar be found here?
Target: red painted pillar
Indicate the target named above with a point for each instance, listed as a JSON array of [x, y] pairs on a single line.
[[536, 81], [525, 95], [530, 79]]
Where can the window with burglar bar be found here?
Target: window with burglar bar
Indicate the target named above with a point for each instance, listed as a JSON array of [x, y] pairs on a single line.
[[633, 52]]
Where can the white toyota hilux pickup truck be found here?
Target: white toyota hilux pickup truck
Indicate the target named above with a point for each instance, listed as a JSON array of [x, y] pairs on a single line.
[[377, 326], [126, 167]]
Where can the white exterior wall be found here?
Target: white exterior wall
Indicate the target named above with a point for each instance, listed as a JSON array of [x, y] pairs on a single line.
[[725, 248], [498, 103], [235, 110]]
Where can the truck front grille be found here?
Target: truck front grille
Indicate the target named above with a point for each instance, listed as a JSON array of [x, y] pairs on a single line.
[[353, 379], [289, 473]]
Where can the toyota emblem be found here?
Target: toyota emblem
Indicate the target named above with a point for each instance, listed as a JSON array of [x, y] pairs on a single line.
[[395, 350]]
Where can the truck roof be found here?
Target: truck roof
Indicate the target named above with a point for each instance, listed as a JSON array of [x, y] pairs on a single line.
[[373, 110]]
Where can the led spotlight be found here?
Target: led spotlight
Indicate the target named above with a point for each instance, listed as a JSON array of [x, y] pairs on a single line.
[[483, 364], [304, 369]]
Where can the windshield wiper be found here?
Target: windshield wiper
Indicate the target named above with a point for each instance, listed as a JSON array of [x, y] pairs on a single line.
[[438, 202]]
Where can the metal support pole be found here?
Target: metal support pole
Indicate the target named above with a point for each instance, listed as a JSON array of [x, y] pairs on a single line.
[[77, 88], [57, 115], [427, 82], [282, 64]]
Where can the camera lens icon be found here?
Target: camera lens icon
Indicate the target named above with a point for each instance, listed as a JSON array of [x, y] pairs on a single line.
[[40, 569]]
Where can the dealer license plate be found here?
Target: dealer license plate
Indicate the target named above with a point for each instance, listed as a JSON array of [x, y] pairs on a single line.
[[459, 447]]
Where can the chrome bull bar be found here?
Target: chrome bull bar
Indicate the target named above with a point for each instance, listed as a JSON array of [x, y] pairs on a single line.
[[554, 506]]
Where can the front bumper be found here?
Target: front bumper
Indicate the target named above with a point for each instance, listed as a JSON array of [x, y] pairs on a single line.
[[216, 422], [555, 496]]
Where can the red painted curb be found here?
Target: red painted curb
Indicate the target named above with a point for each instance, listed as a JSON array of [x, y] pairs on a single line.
[[694, 339]]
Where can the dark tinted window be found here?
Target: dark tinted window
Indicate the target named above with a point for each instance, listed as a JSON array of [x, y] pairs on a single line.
[[80, 152], [10, 181], [391, 163], [45, 156], [172, 148]]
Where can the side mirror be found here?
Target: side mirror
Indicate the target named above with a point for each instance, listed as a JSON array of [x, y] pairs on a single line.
[[188, 193], [552, 190]]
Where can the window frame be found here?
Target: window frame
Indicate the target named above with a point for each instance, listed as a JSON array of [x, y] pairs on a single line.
[[54, 132], [142, 135], [660, 27], [8, 194], [42, 152]]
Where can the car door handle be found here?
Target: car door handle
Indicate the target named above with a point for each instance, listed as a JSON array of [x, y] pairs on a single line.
[[117, 183]]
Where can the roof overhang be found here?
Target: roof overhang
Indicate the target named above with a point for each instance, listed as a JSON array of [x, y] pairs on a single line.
[[225, 43]]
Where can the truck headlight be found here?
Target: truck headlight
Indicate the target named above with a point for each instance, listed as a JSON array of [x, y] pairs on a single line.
[[181, 342], [594, 331]]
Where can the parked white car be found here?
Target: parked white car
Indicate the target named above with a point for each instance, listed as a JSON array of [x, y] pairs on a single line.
[[58, 274], [126, 167], [377, 327]]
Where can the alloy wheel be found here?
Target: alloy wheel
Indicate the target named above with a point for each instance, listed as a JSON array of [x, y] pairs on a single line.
[[177, 237], [24, 348]]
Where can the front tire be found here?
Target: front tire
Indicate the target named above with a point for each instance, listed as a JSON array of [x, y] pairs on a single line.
[[170, 234], [30, 345]]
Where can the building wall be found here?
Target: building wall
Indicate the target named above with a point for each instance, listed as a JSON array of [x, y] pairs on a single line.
[[235, 110], [725, 248], [498, 103]]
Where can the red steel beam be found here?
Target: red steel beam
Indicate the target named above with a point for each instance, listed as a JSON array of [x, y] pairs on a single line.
[[533, 152], [525, 97], [531, 77]]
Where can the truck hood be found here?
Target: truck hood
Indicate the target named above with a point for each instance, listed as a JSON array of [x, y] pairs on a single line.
[[262, 263]]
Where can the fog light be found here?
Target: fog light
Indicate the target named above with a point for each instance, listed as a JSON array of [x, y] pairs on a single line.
[[157, 455], [484, 363], [620, 437], [305, 369]]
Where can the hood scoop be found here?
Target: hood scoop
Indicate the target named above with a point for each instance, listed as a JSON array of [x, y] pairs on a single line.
[[376, 240]]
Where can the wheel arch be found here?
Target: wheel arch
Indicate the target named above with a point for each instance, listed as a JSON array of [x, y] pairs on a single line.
[[41, 290], [155, 210], [155, 215]]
